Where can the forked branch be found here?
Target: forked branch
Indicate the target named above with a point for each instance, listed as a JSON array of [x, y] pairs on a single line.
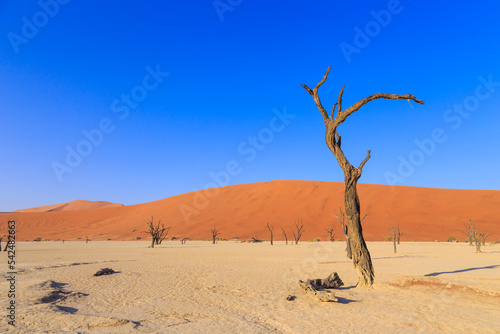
[[343, 114], [362, 164], [314, 94]]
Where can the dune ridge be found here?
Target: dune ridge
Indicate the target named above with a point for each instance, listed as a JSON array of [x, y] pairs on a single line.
[[423, 214], [78, 204]]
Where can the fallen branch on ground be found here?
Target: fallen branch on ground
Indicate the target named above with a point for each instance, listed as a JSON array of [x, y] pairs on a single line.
[[316, 287]]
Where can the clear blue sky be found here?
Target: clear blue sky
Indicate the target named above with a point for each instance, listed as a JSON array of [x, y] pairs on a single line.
[[178, 91]]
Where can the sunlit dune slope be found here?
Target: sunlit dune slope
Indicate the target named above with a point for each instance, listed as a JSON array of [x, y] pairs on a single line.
[[423, 214]]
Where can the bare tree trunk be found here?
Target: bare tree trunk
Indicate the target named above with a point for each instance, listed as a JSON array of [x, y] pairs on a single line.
[[270, 228], [348, 251], [283, 233], [360, 254], [478, 246], [395, 236]]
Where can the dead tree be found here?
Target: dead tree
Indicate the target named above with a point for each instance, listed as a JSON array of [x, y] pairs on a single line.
[[469, 232], [1, 238], [300, 230], [158, 232], [283, 233], [361, 256], [330, 233], [475, 236], [86, 239], [394, 232], [270, 228], [215, 233], [479, 237], [483, 237], [398, 233]]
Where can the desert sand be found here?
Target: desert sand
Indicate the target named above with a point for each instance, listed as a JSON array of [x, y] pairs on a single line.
[[424, 214], [234, 287]]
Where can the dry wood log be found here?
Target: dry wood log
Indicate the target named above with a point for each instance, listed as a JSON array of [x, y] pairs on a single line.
[[104, 271], [316, 287]]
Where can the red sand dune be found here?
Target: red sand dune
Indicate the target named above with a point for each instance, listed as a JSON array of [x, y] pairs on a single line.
[[423, 214], [78, 204]]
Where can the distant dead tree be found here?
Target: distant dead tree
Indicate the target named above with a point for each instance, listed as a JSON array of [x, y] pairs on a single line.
[[483, 237], [215, 233], [394, 232], [360, 254], [283, 233], [1, 238], [300, 230], [398, 233], [474, 235], [330, 233], [469, 232], [86, 239], [158, 232], [270, 228]]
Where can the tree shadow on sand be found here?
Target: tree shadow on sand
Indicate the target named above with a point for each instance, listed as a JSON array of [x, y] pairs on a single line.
[[394, 257], [345, 300], [462, 270], [346, 287], [67, 309]]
